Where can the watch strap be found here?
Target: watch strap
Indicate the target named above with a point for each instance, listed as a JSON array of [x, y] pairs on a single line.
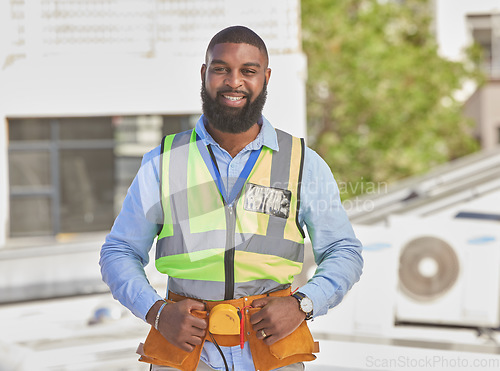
[[299, 296]]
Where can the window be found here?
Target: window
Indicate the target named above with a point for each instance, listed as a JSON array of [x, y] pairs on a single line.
[[70, 175], [61, 175], [485, 31], [136, 135]]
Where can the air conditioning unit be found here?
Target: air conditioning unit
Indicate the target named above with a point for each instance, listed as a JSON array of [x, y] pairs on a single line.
[[368, 308], [449, 271], [375, 293]]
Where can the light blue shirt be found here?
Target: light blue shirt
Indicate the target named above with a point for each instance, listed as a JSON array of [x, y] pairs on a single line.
[[336, 249]]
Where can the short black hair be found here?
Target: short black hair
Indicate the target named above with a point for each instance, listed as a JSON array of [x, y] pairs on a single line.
[[237, 35]]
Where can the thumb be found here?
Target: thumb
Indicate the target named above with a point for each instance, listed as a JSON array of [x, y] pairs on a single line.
[[259, 303]]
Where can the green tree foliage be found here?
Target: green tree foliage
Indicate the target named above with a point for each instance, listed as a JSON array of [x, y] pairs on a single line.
[[381, 102]]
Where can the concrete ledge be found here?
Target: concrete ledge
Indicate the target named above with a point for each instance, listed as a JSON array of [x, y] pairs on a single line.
[[54, 269]]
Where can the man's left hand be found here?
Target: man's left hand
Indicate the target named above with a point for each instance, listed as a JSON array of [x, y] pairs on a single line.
[[279, 317]]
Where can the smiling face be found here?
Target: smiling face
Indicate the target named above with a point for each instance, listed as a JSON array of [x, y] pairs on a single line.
[[234, 81]]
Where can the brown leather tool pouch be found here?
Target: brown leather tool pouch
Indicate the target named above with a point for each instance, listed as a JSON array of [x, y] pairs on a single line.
[[299, 346], [159, 351]]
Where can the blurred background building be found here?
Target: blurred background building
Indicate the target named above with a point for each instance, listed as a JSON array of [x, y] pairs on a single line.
[[458, 24], [437, 236], [87, 87]]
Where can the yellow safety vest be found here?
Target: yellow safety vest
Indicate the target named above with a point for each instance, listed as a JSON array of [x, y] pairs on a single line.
[[214, 251]]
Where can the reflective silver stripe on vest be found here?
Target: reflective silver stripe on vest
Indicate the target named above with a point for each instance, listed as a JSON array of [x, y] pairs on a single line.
[[178, 181], [177, 244], [182, 244], [177, 188], [209, 290], [276, 226]]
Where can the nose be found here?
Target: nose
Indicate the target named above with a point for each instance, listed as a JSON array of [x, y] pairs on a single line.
[[233, 80]]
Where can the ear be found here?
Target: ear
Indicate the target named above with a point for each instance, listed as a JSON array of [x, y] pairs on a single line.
[[203, 70], [268, 75]]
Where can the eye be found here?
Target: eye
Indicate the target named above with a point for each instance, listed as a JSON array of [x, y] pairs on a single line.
[[219, 69], [248, 71]]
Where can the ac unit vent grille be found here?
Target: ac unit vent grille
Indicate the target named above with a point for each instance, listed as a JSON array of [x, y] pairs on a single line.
[[428, 268]]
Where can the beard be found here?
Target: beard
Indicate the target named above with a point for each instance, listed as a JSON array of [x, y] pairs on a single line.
[[231, 119]]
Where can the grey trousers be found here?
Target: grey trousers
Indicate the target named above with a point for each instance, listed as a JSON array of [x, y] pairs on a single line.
[[204, 367]]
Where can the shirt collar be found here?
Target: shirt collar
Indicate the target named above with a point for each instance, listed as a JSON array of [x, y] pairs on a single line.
[[266, 137]]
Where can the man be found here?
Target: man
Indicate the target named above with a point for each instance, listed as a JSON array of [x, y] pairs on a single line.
[[228, 202]]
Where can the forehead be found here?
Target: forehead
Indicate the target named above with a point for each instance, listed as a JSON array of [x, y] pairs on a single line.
[[240, 53]]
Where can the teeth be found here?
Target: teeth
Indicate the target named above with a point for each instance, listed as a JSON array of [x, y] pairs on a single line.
[[234, 99]]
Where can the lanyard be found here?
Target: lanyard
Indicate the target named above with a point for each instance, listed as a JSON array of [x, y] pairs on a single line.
[[238, 185]]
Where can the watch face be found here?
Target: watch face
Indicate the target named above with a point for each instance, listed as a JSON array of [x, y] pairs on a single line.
[[306, 305]]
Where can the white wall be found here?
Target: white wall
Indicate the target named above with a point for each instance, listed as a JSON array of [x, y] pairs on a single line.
[[4, 41], [74, 86], [451, 27], [85, 87], [4, 190], [286, 103], [109, 77]]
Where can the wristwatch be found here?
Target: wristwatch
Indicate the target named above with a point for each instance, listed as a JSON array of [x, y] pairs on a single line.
[[305, 304]]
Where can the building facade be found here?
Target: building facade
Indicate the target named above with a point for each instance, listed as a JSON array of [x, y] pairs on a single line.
[[87, 87], [458, 24]]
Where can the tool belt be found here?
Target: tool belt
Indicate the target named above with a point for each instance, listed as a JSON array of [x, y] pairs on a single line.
[[299, 346]]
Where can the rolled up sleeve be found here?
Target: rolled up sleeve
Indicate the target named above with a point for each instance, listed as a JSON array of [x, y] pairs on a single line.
[[337, 251]]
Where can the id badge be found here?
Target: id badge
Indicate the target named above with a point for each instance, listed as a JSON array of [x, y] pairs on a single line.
[[267, 200]]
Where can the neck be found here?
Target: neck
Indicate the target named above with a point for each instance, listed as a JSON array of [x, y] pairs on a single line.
[[231, 142]]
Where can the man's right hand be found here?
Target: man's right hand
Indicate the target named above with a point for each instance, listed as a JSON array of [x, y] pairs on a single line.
[[178, 325]]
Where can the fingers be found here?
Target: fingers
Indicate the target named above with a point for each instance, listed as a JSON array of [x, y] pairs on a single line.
[[263, 328], [186, 347], [271, 339], [262, 334], [195, 305], [187, 342], [190, 306], [267, 336], [181, 327], [259, 303], [196, 331], [190, 338], [198, 323], [194, 340], [278, 317], [261, 314], [190, 344]]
